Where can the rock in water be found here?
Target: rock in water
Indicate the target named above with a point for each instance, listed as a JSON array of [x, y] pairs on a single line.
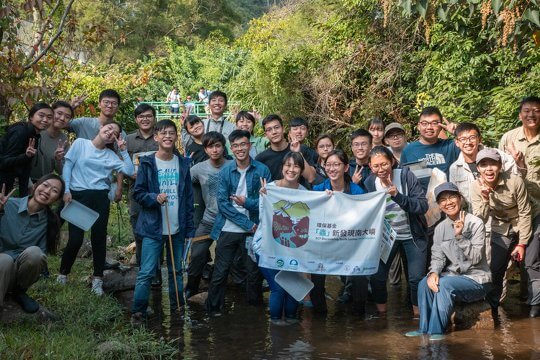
[[199, 298], [120, 279], [475, 315]]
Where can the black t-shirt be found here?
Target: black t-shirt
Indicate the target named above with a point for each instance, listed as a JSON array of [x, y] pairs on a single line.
[[197, 152], [273, 159], [474, 169]]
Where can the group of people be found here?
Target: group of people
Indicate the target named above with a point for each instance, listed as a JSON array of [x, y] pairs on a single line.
[[490, 205], [178, 106]]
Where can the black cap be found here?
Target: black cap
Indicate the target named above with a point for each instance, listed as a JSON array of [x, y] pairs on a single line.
[[447, 186]]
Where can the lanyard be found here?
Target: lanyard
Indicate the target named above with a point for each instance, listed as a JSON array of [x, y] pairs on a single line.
[[208, 126]]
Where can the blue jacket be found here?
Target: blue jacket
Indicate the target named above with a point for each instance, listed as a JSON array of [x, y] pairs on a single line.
[[229, 177], [146, 190], [326, 185], [413, 202]]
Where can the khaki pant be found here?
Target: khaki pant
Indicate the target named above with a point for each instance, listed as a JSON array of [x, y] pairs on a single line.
[[21, 273]]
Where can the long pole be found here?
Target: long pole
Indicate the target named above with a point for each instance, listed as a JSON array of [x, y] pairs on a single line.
[[172, 255]]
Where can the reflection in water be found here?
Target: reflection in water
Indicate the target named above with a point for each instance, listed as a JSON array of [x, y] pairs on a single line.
[[244, 332]]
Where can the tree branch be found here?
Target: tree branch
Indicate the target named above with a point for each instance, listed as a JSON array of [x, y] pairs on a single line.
[[41, 32], [53, 39]]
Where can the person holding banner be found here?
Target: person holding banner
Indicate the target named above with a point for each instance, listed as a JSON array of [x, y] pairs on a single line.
[[282, 303], [459, 269], [337, 169], [405, 209]]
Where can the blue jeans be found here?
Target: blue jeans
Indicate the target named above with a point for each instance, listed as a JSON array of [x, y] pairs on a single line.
[[280, 301], [150, 257], [436, 308], [416, 257]]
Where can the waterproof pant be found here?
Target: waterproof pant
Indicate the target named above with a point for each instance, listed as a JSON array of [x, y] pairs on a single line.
[[436, 307], [21, 273], [150, 258], [227, 246], [97, 200], [532, 263]]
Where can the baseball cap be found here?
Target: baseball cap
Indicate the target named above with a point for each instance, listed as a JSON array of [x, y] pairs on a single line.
[[488, 154], [393, 126], [447, 186]]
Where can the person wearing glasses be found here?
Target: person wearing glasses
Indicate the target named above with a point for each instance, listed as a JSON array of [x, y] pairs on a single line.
[[436, 152], [324, 145], [463, 172], [279, 147], [337, 169], [405, 208], [140, 143], [395, 139], [459, 268], [238, 216], [361, 144], [88, 127]]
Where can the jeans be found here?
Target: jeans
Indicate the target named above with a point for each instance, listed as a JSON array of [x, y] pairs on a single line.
[[200, 256], [436, 308], [415, 256], [280, 301], [532, 263], [98, 201], [150, 256], [226, 249]]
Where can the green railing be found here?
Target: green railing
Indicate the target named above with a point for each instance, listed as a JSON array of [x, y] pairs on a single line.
[[163, 109]]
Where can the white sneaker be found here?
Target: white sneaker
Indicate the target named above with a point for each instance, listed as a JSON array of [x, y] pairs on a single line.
[[97, 286], [61, 279]]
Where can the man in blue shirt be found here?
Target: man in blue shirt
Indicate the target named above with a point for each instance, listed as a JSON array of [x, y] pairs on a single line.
[[238, 205], [435, 152]]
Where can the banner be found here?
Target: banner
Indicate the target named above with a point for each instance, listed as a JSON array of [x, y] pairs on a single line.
[[312, 232]]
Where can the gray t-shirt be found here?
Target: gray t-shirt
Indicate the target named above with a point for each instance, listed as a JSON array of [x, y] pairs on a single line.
[[207, 175], [87, 128], [44, 163]]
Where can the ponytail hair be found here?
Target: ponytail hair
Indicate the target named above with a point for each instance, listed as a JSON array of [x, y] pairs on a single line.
[[342, 156]]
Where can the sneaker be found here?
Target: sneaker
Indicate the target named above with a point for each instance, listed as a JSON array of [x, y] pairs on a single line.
[[137, 320], [28, 304], [279, 322], [414, 333], [97, 286], [62, 279], [292, 321], [436, 337]]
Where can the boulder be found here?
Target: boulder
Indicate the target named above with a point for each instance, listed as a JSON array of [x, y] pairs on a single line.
[[475, 315], [120, 279], [199, 298], [13, 313]]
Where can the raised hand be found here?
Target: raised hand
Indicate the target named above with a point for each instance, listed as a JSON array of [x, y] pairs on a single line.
[[518, 156], [458, 224], [357, 175], [294, 143], [262, 190], [3, 197], [389, 185], [485, 190], [31, 149], [78, 100], [448, 126], [120, 142], [60, 150]]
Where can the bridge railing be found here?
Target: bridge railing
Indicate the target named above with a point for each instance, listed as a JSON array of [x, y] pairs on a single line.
[[163, 109]]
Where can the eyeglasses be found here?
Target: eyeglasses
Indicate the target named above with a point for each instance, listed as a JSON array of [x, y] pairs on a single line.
[[108, 103], [272, 129], [428, 123], [145, 117], [333, 166], [376, 167], [444, 200], [243, 145], [395, 136], [465, 140], [167, 133], [364, 145]]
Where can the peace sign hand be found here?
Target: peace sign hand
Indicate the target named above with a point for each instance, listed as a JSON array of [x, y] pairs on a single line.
[[60, 151], [31, 149], [262, 190], [120, 142], [3, 197], [517, 155], [485, 190], [449, 126], [294, 143], [458, 224], [357, 175], [389, 185]]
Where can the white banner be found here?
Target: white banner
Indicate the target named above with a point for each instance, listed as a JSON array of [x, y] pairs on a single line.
[[311, 232]]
